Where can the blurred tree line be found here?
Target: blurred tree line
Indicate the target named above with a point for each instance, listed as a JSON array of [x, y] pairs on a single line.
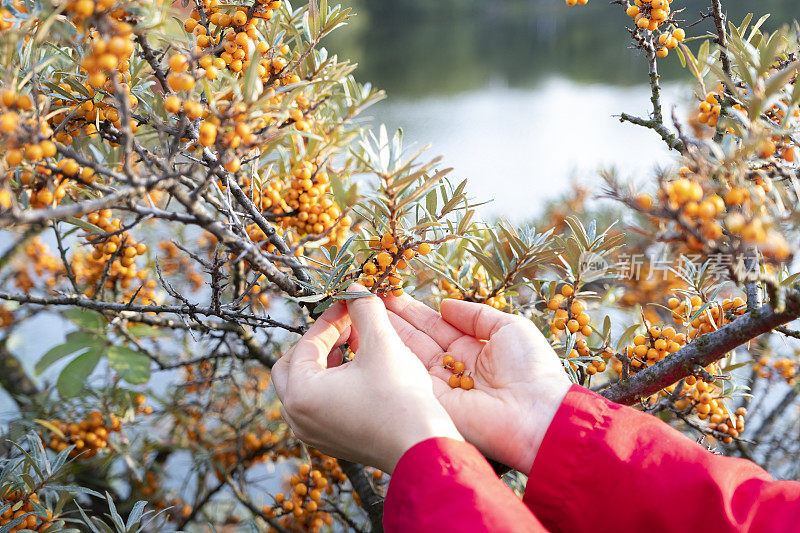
[[423, 47]]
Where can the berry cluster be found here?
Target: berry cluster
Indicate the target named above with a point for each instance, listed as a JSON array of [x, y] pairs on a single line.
[[710, 109], [109, 56], [21, 504], [582, 349], [654, 346], [6, 316], [458, 379], [254, 448], [89, 436], [119, 248], [705, 399], [478, 292], [210, 25], [650, 15], [45, 265], [198, 377], [302, 504], [28, 144], [382, 271], [784, 367], [569, 312], [151, 488], [311, 210], [669, 41], [79, 114], [697, 208], [714, 317]]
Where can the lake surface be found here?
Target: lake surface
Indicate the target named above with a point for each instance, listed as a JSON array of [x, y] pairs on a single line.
[[521, 98]]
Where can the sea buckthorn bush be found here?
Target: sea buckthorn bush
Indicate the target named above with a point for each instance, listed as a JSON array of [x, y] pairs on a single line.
[[185, 186]]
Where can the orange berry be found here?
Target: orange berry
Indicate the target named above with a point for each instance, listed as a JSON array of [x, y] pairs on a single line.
[[766, 149], [239, 18], [644, 201], [14, 157], [172, 104], [384, 259], [178, 63], [387, 241], [233, 165]]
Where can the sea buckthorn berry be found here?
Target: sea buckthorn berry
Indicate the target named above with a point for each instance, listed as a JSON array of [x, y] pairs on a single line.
[[424, 248], [207, 135], [384, 259], [172, 104], [467, 382], [567, 290], [766, 149], [178, 63], [454, 381], [232, 165], [458, 367], [448, 361], [644, 201], [387, 241], [239, 18]]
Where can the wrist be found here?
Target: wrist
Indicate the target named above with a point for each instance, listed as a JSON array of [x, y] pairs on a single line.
[[539, 412], [427, 422]]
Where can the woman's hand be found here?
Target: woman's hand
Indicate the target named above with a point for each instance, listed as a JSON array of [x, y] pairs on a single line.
[[519, 381], [370, 410]]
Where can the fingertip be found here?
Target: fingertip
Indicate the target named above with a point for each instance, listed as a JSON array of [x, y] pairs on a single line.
[[334, 312], [450, 307], [356, 287]]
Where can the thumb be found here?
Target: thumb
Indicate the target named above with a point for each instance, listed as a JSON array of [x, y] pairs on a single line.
[[330, 330], [370, 320]]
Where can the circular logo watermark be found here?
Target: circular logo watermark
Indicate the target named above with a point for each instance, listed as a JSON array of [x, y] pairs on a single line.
[[593, 266]]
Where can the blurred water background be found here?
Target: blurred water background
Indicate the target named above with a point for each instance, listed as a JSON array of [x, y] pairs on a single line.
[[520, 96]]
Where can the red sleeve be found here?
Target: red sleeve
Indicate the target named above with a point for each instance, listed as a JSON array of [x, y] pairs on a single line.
[[442, 484], [606, 467]]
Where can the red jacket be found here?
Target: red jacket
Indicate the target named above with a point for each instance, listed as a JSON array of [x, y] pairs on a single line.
[[601, 467]]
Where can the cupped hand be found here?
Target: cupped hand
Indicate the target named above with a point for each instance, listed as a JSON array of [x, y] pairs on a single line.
[[519, 380], [370, 410]]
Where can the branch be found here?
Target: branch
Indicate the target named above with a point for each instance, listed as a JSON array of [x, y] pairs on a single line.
[[266, 227], [705, 350], [130, 308], [371, 499], [668, 137], [722, 36]]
